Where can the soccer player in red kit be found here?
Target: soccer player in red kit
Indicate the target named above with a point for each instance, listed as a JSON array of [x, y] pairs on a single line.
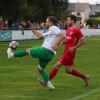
[[74, 39]]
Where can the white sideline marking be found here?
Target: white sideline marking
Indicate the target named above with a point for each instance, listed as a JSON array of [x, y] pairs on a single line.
[[94, 39], [13, 96], [85, 94]]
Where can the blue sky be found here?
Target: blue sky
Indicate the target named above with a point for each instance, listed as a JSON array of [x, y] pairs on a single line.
[[86, 1]]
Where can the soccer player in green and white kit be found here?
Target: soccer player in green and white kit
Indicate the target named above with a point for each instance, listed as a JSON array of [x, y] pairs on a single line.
[[44, 53]]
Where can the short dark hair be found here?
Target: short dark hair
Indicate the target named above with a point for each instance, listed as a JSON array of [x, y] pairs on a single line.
[[73, 17], [53, 19]]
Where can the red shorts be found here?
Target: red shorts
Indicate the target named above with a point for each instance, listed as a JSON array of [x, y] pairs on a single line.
[[67, 59]]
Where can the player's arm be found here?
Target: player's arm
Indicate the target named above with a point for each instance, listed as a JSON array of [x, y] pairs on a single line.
[[81, 40], [79, 44], [38, 34], [59, 40], [63, 42], [80, 37]]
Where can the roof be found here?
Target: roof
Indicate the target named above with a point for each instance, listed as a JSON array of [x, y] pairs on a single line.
[[78, 6], [95, 8]]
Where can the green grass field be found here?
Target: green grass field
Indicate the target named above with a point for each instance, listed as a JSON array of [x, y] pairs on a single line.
[[18, 77]]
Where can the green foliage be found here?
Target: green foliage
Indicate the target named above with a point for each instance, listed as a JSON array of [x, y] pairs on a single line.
[[93, 20], [34, 9]]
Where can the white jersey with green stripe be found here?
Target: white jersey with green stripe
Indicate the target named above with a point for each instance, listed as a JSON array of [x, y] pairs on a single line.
[[50, 37]]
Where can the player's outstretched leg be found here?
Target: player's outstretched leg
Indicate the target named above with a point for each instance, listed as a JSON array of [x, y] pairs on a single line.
[[76, 73], [11, 53], [45, 78]]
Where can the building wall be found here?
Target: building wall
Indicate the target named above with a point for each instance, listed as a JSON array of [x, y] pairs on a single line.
[[83, 14]]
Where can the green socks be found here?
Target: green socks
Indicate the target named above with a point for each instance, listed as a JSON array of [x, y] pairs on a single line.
[[20, 53], [44, 75]]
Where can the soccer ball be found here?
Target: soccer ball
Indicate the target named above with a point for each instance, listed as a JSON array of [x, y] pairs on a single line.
[[13, 45]]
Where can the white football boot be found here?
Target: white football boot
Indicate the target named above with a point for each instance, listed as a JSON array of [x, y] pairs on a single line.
[[50, 86], [10, 53]]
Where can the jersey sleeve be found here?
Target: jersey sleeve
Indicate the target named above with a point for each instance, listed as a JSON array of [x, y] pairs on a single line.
[[47, 33], [79, 34], [52, 31], [57, 31]]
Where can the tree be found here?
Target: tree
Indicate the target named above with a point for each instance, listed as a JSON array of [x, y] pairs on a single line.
[[36, 10], [59, 7]]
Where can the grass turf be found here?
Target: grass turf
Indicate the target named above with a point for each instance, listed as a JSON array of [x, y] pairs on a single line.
[[18, 77]]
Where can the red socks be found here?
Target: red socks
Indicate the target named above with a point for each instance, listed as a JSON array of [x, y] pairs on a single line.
[[73, 72], [53, 73], [77, 73]]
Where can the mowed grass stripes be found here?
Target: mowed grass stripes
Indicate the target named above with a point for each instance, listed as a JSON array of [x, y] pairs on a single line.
[[19, 76]]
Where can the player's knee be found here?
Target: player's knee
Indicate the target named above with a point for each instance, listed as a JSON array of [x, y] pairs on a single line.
[[68, 70], [40, 69], [28, 51], [58, 65]]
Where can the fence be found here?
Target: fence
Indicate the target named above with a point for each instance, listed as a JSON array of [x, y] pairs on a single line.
[[8, 35]]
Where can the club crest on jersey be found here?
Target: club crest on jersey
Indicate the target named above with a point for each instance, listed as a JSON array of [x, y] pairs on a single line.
[[71, 33], [69, 37]]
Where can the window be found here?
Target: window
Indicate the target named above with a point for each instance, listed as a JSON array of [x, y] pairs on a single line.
[[78, 14]]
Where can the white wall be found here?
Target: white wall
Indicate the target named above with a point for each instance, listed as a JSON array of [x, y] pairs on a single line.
[[17, 35], [91, 32]]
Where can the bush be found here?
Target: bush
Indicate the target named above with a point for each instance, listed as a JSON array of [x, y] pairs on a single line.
[[93, 20]]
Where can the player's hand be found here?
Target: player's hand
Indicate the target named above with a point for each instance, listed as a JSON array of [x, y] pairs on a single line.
[[54, 47], [43, 25], [71, 50], [61, 44]]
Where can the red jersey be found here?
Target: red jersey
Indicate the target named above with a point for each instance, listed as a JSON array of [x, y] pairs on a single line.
[[72, 36]]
